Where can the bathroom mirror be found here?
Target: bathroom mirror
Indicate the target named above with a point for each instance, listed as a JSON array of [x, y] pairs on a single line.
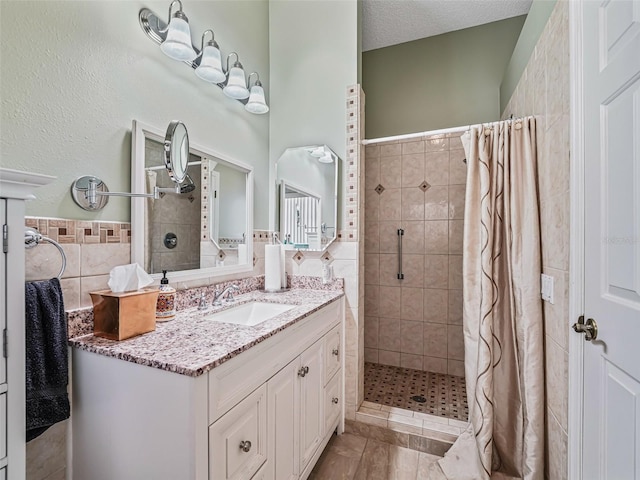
[[307, 185], [202, 229]]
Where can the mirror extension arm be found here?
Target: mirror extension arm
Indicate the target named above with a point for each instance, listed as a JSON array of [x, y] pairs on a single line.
[[90, 193]]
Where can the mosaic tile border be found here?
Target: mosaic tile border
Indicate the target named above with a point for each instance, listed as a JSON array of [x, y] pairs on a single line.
[[81, 231], [86, 231], [349, 233]]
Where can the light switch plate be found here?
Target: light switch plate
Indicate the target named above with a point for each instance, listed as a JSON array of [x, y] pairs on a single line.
[[546, 282]]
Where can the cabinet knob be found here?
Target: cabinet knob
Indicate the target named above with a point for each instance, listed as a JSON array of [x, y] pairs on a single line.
[[245, 445], [335, 352], [335, 400], [303, 371]]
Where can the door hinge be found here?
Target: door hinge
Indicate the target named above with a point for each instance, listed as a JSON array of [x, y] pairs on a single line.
[[5, 238], [5, 349]]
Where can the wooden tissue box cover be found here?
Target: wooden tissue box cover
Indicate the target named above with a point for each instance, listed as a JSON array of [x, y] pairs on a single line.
[[118, 316]]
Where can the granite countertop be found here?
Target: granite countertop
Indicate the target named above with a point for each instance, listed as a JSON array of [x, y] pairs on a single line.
[[190, 345]]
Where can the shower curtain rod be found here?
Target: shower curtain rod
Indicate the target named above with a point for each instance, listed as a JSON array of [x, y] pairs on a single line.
[[407, 136]]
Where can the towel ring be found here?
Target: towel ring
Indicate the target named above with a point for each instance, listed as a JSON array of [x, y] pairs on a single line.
[[32, 238]]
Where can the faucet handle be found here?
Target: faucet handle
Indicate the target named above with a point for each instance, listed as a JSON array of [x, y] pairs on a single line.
[[216, 297], [202, 305]]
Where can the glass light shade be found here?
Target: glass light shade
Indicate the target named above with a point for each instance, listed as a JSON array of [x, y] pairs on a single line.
[[235, 87], [317, 152], [326, 158], [177, 45], [256, 103], [210, 68]]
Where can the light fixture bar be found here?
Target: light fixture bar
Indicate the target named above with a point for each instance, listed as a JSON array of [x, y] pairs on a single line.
[[156, 30]]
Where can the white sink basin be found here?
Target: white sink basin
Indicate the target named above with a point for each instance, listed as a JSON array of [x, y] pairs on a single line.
[[250, 314]]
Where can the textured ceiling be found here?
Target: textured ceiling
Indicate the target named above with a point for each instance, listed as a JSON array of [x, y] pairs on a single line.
[[389, 22]]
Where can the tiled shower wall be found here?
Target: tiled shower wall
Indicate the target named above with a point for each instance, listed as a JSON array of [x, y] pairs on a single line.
[[543, 91], [418, 186]]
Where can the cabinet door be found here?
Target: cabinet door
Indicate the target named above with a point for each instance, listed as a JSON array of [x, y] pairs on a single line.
[[283, 400], [311, 402], [238, 440], [332, 353], [332, 402]]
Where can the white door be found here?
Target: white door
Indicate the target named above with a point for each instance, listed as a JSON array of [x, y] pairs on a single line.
[[611, 80]]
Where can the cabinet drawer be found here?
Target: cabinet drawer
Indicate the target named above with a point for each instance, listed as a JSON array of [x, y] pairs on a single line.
[[238, 440], [332, 402], [332, 353]]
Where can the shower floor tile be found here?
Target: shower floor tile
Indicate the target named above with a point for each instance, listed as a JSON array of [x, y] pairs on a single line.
[[445, 395]]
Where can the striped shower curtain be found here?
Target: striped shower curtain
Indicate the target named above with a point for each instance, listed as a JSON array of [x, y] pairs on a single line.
[[503, 323]]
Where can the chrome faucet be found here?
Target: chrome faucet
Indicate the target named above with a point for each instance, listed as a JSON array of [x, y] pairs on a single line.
[[228, 290]]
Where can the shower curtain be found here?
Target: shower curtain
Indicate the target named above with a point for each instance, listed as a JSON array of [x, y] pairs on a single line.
[[503, 329]]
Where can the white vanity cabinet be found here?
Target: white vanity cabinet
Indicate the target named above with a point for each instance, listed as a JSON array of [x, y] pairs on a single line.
[[264, 414]]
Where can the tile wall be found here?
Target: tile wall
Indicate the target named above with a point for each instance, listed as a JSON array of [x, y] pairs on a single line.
[[544, 91], [419, 186], [177, 214]]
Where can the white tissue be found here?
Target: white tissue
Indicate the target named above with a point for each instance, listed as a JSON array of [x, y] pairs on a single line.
[[127, 278]]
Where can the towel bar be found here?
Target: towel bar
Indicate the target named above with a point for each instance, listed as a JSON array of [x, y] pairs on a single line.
[[32, 238]]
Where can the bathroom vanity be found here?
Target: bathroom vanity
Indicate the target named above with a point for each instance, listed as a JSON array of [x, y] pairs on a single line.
[[203, 399]]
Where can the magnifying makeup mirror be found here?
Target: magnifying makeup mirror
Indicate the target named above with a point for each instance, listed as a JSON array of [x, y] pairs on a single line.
[[91, 193], [176, 151]]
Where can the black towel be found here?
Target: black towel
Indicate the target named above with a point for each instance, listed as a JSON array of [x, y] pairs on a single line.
[[46, 356]]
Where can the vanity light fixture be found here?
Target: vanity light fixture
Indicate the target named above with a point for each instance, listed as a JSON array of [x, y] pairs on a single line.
[[177, 44], [210, 67], [174, 39], [236, 85], [256, 103]]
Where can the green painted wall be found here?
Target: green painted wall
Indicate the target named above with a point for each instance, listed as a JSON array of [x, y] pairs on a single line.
[[313, 53], [75, 74], [534, 24], [437, 82]]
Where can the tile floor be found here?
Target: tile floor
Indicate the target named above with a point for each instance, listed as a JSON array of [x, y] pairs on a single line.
[[445, 395], [352, 457]]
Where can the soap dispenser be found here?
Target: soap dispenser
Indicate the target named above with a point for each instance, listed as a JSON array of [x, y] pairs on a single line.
[[166, 306]]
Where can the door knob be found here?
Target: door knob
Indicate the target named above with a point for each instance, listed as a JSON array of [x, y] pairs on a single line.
[[590, 328]]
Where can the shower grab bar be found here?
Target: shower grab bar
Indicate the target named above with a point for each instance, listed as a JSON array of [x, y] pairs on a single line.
[[400, 235], [32, 238]]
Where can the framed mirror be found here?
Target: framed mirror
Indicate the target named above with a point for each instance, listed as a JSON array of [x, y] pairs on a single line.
[[307, 185], [203, 229]]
